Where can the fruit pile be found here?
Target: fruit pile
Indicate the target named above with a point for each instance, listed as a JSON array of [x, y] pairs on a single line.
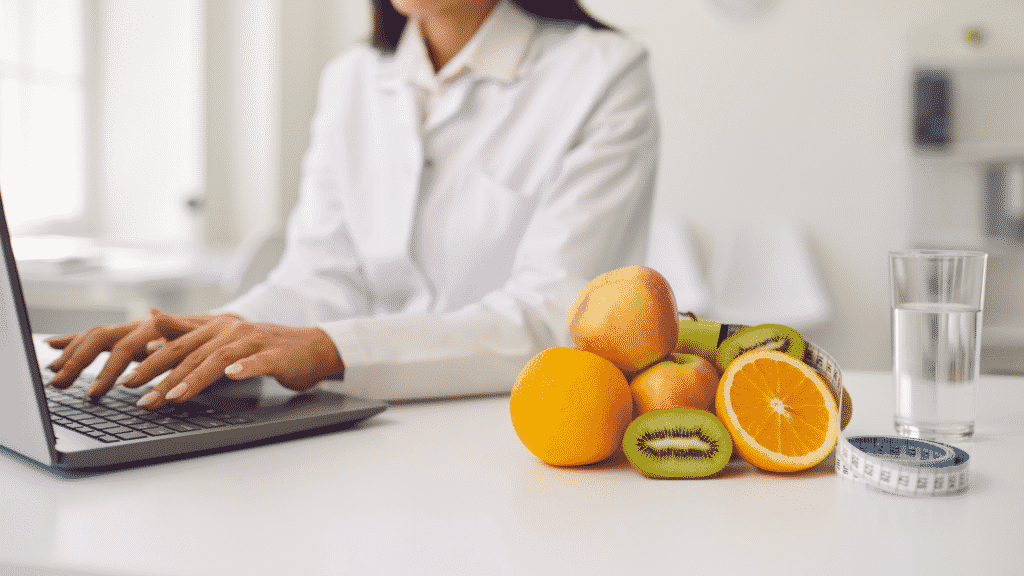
[[673, 391]]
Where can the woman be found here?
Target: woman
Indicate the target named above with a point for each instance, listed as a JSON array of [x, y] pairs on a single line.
[[468, 172]]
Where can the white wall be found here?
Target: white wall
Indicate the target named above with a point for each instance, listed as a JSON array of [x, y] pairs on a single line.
[[149, 117], [263, 63], [800, 117]]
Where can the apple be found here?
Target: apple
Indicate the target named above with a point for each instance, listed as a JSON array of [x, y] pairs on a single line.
[[678, 381], [627, 316]]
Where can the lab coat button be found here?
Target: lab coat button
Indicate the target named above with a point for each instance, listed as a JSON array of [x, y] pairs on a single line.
[[428, 163]]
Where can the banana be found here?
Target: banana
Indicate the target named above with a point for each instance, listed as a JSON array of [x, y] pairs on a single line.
[[700, 336]]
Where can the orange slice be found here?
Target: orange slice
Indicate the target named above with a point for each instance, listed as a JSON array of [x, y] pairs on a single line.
[[780, 413]]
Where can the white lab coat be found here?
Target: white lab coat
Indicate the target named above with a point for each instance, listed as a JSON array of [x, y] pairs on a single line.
[[440, 249]]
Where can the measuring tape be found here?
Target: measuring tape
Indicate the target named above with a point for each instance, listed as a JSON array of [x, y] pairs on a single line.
[[904, 466], [898, 465]]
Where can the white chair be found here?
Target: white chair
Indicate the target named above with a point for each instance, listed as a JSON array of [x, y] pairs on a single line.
[[767, 275], [670, 252], [252, 261]]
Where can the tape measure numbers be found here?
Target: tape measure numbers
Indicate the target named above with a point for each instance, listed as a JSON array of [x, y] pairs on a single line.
[[903, 466]]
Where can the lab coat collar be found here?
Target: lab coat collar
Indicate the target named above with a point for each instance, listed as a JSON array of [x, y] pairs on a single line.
[[496, 51]]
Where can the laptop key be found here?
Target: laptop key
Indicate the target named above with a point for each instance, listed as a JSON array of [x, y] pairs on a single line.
[[108, 438], [113, 403], [118, 430], [181, 426], [206, 422], [105, 425], [158, 431], [234, 419], [92, 421], [132, 435]]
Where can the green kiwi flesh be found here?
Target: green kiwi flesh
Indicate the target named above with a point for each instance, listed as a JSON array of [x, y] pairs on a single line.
[[771, 336], [677, 443]]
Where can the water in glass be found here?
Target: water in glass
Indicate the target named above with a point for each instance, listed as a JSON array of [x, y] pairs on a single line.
[[935, 358]]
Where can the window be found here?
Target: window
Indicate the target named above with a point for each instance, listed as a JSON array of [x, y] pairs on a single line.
[[42, 112]]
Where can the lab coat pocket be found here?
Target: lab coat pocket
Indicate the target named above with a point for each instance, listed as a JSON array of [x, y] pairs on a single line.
[[486, 223], [495, 212]]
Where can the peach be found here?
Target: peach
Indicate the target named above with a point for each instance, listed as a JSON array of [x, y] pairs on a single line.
[[627, 316]]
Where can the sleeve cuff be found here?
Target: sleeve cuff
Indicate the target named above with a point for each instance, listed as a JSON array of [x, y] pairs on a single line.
[[351, 347]]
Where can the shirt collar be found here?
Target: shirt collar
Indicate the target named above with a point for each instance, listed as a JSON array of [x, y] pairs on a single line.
[[495, 51]]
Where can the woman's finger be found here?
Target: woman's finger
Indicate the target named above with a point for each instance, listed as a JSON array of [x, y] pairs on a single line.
[[69, 349], [211, 369], [258, 364], [154, 345], [169, 355], [94, 341], [121, 355], [60, 342], [199, 369]]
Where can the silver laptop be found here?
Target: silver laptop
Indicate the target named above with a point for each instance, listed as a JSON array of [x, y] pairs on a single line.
[[64, 430]]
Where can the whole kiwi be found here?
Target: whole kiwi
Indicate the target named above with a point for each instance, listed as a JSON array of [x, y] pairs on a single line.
[[772, 336], [677, 443]]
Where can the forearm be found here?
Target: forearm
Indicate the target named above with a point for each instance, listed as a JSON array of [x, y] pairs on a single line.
[[478, 349]]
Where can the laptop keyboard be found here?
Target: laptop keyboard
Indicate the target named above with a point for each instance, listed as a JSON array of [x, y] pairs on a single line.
[[116, 418]]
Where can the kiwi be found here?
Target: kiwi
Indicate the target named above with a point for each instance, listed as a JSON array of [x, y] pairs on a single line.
[[677, 443], [771, 336]]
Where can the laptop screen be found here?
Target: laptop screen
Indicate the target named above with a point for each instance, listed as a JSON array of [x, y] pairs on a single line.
[[22, 426]]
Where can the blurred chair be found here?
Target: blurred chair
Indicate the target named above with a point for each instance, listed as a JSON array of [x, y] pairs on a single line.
[[670, 252], [255, 257], [767, 275]]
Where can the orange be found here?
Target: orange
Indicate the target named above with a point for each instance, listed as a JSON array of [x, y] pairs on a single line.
[[780, 413], [570, 407]]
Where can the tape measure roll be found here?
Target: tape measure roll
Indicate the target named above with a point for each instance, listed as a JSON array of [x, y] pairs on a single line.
[[894, 464], [903, 466]]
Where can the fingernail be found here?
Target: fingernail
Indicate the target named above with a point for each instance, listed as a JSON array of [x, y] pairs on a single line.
[[177, 391], [125, 378], [148, 398], [233, 369]]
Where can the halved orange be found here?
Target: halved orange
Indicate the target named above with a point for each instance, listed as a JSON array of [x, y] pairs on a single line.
[[780, 413]]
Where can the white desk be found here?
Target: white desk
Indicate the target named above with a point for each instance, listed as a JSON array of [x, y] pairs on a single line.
[[447, 488]]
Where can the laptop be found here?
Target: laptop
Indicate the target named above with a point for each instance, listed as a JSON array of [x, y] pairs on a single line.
[[65, 431]]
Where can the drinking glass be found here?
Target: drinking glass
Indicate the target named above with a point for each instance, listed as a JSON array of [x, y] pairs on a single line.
[[937, 302]]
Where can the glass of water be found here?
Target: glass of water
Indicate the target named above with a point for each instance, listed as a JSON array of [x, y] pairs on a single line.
[[937, 301]]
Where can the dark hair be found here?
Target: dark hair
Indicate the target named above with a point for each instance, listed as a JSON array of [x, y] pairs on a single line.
[[388, 23]]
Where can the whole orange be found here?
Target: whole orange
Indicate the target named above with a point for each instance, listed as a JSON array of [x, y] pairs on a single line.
[[570, 407]]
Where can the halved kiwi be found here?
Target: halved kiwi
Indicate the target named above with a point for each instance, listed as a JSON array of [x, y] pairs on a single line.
[[772, 336], [677, 443]]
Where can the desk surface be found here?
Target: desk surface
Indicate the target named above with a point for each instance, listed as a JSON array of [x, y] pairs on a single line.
[[447, 488]]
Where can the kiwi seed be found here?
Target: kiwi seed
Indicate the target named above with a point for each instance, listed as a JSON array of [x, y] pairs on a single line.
[[771, 336], [677, 443]]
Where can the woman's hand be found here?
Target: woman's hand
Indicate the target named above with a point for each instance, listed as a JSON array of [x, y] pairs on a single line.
[[125, 342], [198, 355]]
